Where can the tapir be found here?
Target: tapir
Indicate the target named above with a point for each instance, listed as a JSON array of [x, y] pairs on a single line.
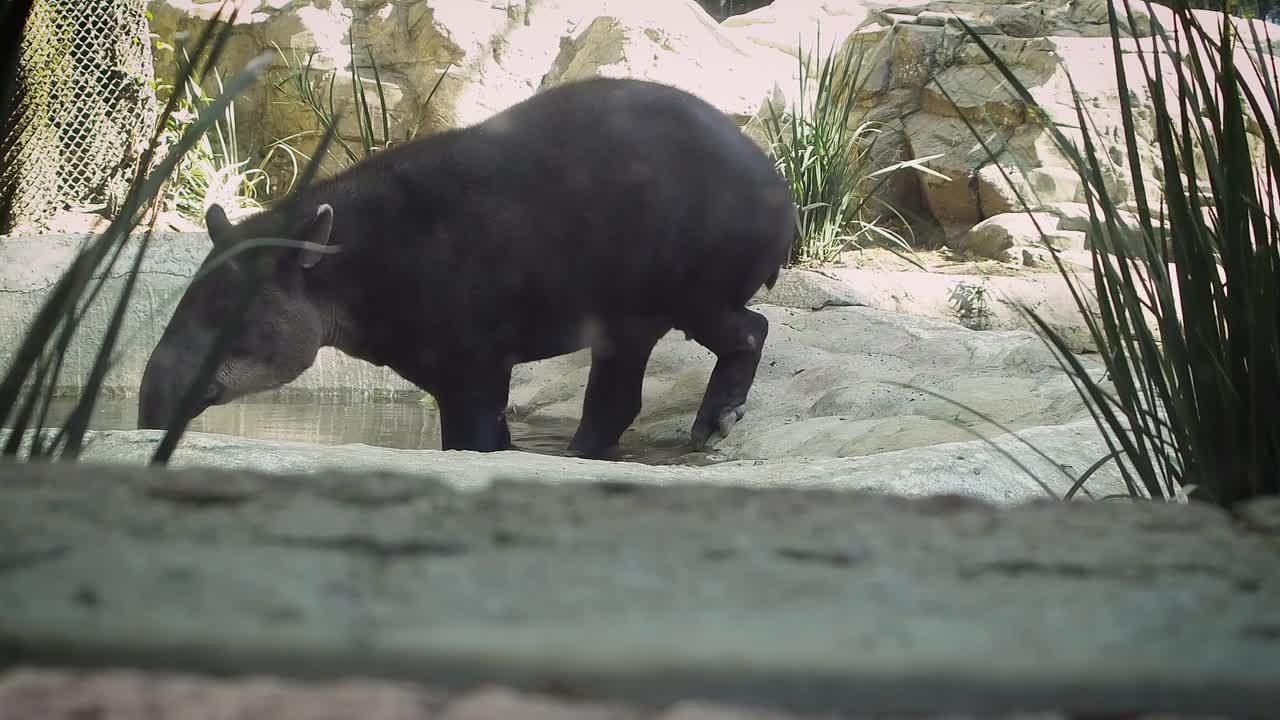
[[597, 214]]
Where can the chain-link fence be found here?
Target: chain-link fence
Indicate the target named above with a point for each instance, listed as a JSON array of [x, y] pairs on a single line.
[[87, 105]]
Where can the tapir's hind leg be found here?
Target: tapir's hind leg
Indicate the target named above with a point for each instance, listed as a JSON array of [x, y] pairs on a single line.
[[614, 386], [736, 336]]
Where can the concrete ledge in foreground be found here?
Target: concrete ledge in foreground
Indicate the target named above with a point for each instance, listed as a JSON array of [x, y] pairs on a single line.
[[798, 600]]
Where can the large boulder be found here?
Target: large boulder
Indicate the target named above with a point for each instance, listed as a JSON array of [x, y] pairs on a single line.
[[1005, 236]]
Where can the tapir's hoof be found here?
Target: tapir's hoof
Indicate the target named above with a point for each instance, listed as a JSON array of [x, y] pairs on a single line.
[[729, 418], [701, 433], [592, 451], [609, 453]]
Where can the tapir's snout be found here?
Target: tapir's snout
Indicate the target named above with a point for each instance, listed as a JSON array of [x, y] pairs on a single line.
[[164, 382], [156, 400]]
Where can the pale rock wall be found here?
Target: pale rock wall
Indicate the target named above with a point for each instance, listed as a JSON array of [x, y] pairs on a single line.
[[931, 83], [496, 53]]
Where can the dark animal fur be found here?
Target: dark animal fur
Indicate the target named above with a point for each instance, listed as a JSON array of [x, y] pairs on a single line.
[[601, 213]]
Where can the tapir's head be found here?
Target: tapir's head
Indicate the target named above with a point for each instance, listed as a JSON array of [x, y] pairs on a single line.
[[273, 343]]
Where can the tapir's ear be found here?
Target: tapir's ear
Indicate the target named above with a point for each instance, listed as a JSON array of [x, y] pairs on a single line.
[[319, 231], [216, 222]]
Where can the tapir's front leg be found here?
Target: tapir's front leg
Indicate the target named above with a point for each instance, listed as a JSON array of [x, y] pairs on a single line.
[[473, 410]]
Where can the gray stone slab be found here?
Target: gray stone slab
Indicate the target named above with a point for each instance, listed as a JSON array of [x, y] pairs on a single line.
[[804, 600]]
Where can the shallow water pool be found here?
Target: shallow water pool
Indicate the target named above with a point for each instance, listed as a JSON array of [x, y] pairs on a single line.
[[406, 424]]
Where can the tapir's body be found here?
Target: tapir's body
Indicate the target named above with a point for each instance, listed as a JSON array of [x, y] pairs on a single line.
[[597, 214]]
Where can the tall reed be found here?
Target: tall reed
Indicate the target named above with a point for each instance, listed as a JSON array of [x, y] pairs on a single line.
[[1187, 322]]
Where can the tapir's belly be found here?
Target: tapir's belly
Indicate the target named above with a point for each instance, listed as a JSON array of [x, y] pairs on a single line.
[[552, 335]]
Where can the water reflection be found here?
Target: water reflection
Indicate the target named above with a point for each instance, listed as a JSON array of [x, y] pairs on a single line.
[[406, 424]]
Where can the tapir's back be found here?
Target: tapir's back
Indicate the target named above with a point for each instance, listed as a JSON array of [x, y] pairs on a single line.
[[630, 187], [615, 197]]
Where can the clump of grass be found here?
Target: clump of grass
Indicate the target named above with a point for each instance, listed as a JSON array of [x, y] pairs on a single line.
[[27, 386], [971, 305], [214, 171], [374, 133], [828, 154], [1188, 324]]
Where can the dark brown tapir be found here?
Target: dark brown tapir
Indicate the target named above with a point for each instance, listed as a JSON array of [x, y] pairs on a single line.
[[601, 214]]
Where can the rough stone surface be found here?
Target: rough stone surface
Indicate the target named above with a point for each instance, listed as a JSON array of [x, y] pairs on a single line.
[[804, 601], [934, 295], [1004, 236], [826, 386], [674, 42], [1000, 469], [128, 694], [953, 197], [810, 290], [131, 695], [1037, 257], [1074, 218]]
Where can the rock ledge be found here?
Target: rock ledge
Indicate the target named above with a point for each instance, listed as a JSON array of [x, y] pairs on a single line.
[[803, 600]]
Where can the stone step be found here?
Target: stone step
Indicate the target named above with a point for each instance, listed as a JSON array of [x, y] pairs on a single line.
[[805, 601]]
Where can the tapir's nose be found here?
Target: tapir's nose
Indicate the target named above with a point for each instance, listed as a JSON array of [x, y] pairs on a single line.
[[164, 383], [155, 406], [161, 388]]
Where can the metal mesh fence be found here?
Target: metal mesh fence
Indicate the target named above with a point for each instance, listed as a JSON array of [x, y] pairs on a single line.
[[87, 107]]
